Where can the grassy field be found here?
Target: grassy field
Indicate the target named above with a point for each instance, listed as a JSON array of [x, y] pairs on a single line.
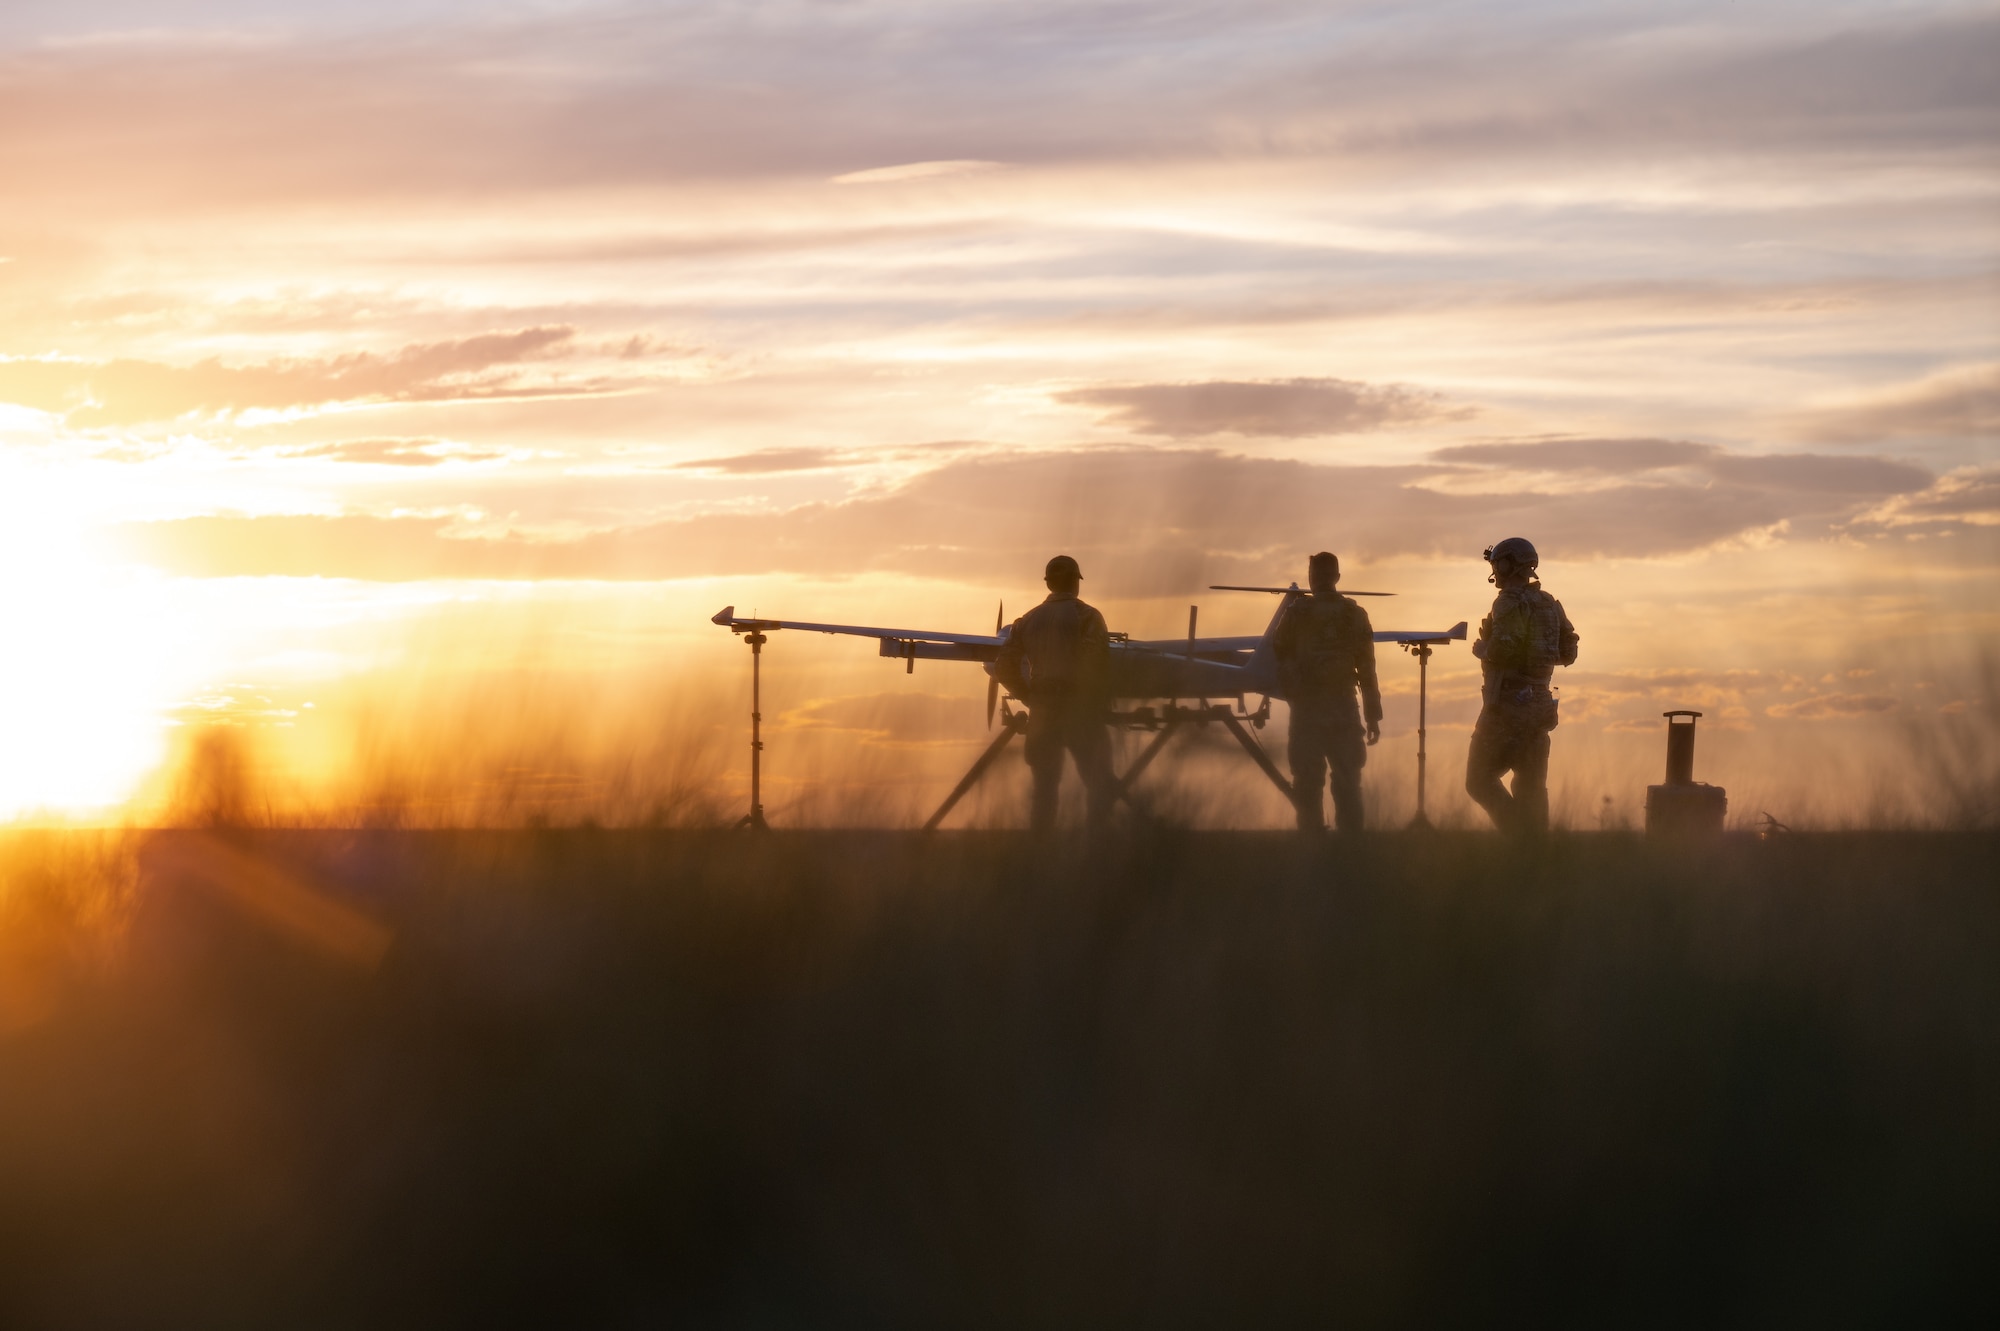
[[609, 1078]]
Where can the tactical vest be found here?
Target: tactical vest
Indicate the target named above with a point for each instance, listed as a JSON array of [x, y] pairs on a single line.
[[1319, 647], [1527, 636], [1058, 650]]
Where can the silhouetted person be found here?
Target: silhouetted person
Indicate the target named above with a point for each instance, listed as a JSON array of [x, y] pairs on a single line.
[[1057, 659], [1326, 651], [1520, 645]]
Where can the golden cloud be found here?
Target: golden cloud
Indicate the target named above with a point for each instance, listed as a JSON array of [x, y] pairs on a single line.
[[131, 392], [1154, 521], [1292, 408], [1969, 496], [1959, 403], [1825, 705]]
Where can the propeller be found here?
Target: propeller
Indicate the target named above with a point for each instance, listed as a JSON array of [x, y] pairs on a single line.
[[993, 681], [1293, 588]]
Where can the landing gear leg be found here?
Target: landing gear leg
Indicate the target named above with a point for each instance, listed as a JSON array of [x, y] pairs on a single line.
[[1141, 763], [1257, 754], [1012, 724]]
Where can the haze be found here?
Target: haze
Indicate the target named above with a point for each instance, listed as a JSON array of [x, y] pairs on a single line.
[[415, 380]]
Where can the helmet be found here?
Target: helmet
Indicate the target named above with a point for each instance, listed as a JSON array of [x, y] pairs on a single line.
[[1060, 568], [1517, 548]]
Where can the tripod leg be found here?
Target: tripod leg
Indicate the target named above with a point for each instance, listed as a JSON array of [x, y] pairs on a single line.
[[971, 778], [1256, 752], [1142, 762]]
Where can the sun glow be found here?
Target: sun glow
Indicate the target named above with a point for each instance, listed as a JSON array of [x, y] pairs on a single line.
[[96, 657]]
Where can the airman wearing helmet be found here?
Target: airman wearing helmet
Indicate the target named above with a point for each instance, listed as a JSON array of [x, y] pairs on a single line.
[[1057, 659], [1520, 644], [1325, 650]]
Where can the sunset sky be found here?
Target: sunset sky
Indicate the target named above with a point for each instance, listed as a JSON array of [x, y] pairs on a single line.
[[358, 357]]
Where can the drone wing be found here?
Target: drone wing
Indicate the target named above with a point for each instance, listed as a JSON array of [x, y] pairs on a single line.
[[908, 644]]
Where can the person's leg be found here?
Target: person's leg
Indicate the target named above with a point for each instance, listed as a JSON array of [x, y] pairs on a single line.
[[1305, 751], [1090, 745], [1531, 781], [1048, 791], [1348, 753], [1043, 749], [1485, 761]]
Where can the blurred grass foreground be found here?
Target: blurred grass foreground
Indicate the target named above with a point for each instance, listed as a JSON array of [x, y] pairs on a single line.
[[644, 1078]]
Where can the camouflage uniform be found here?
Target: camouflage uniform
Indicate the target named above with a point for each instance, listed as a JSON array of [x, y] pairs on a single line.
[[1326, 650], [1520, 644], [1058, 660]]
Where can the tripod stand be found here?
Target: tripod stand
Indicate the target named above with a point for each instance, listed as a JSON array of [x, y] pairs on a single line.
[[752, 633]]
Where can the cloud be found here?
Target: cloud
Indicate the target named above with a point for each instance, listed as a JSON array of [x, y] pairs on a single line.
[[1283, 407], [131, 392], [1799, 473], [1968, 497], [1151, 521], [1630, 701], [766, 461], [1962, 403], [1680, 686], [1727, 696], [397, 452], [1612, 456], [1818, 473], [888, 175], [673, 93], [372, 549], [1831, 705]]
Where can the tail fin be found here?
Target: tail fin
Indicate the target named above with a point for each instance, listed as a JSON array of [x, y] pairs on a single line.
[[1263, 663]]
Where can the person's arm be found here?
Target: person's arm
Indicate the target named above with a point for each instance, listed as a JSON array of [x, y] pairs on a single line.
[[1484, 649], [1093, 664], [1007, 665], [1364, 674], [1569, 638]]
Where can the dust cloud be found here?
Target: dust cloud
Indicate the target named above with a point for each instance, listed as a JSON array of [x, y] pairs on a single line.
[[516, 717], [510, 750]]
